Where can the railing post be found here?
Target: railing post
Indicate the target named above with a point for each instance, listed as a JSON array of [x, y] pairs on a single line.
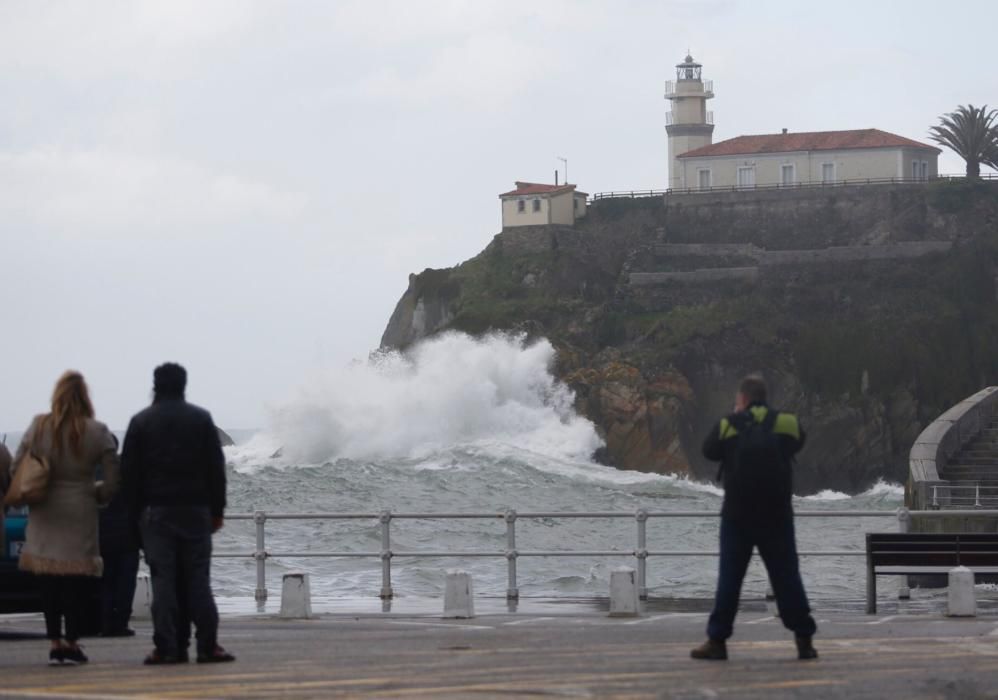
[[512, 592], [935, 496], [385, 518], [260, 555], [977, 495], [904, 525], [641, 552]]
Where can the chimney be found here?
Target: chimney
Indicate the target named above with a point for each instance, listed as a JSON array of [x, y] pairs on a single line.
[[555, 178], [784, 130]]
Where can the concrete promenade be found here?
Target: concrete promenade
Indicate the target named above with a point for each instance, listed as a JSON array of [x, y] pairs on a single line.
[[541, 650]]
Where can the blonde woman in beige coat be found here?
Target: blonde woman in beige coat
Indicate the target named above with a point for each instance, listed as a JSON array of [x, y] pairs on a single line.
[[61, 545]]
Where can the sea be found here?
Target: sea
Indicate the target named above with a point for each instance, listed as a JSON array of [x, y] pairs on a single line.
[[463, 425], [475, 426]]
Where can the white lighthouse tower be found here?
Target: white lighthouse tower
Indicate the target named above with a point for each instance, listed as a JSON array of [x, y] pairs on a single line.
[[688, 124]]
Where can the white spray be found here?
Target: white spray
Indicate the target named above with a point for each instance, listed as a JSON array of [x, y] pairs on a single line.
[[449, 391]]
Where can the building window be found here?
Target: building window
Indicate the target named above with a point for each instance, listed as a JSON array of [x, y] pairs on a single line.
[[521, 206], [575, 204], [925, 170], [914, 170], [537, 205], [746, 176], [703, 178], [828, 172], [787, 174]]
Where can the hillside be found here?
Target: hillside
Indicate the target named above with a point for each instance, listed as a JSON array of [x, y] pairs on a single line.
[[869, 310]]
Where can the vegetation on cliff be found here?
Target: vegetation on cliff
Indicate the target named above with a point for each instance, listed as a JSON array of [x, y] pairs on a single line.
[[866, 352]]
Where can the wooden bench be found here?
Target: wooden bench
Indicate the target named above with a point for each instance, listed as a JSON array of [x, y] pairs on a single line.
[[900, 554]]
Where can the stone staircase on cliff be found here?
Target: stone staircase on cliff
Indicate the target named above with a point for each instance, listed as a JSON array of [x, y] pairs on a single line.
[[972, 473]]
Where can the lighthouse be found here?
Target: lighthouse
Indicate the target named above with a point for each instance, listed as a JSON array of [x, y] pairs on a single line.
[[688, 123]]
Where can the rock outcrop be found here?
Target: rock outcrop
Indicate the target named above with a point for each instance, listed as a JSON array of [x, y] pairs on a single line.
[[866, 349]]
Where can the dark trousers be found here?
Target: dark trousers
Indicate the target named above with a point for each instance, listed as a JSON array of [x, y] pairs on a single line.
[[118, 590], [62, 599], [177, 544], [778, 549]]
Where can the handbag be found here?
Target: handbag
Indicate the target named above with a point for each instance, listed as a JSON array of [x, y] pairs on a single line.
[[30, 483]]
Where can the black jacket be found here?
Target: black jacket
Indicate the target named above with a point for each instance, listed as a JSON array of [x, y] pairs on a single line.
[[172, 456], [721, 445]]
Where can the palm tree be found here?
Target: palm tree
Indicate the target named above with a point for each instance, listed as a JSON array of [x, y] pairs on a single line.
[[972, 133]]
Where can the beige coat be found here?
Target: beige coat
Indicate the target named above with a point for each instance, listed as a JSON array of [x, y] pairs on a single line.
[[61, 537]]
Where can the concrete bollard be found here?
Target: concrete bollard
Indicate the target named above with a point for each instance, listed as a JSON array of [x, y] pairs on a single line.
[[142, 600], [296, 597], [623, 593], [962, 599], [459, 599]]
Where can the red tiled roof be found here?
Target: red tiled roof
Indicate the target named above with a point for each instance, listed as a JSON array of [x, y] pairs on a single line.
[[524, 188], [807, 141]]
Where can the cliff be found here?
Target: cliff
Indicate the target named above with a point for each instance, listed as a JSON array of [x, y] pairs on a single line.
[[869, 310]]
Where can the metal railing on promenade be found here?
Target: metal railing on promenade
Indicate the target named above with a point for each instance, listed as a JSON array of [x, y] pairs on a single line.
[[951, 497], [809, 184], [640, 552]]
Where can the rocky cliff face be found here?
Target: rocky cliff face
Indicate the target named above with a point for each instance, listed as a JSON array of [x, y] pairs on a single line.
[[867, 352]]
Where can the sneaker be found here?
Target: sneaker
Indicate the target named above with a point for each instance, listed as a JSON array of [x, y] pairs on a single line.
[[158, 658], [805, 650], [73, 656], [217, 656], [712, 650], [55, 657]]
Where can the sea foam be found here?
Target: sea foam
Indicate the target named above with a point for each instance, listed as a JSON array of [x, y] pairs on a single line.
[[451, 390]]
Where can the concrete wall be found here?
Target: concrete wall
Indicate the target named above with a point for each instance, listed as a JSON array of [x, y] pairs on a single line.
[[555, 209], [561, 209], [809, 217], [849, 164], [775, 258], [540, 239], [681, 142], [511, 216], [689, 106], [890, 251], [910, 155], [942, 439], [700, 249], [747, 274]]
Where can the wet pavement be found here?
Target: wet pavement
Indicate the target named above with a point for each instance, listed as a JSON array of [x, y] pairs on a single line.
[[545, 648]]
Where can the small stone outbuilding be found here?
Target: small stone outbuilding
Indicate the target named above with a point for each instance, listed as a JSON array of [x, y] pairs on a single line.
[[536, 204]]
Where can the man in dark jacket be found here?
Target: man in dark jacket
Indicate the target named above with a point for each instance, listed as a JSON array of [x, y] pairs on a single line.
[[119, 548], [173, 473], [755, 446]]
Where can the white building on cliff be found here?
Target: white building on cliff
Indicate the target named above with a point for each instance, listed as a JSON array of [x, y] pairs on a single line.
[[537, 204], [784, 159]]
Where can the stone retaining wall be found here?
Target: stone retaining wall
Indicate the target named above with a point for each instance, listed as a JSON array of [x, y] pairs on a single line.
[[527, 240], [942, 439], [890, 251], [748, 274], [775, 258]]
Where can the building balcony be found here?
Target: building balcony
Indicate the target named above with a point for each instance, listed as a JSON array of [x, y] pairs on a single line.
[[689, 88], [670, 119]]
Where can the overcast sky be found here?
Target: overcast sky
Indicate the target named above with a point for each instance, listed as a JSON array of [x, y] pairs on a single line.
[[244, 187]]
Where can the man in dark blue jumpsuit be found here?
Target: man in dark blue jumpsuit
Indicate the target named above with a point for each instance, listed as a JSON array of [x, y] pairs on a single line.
[[755, 446]]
